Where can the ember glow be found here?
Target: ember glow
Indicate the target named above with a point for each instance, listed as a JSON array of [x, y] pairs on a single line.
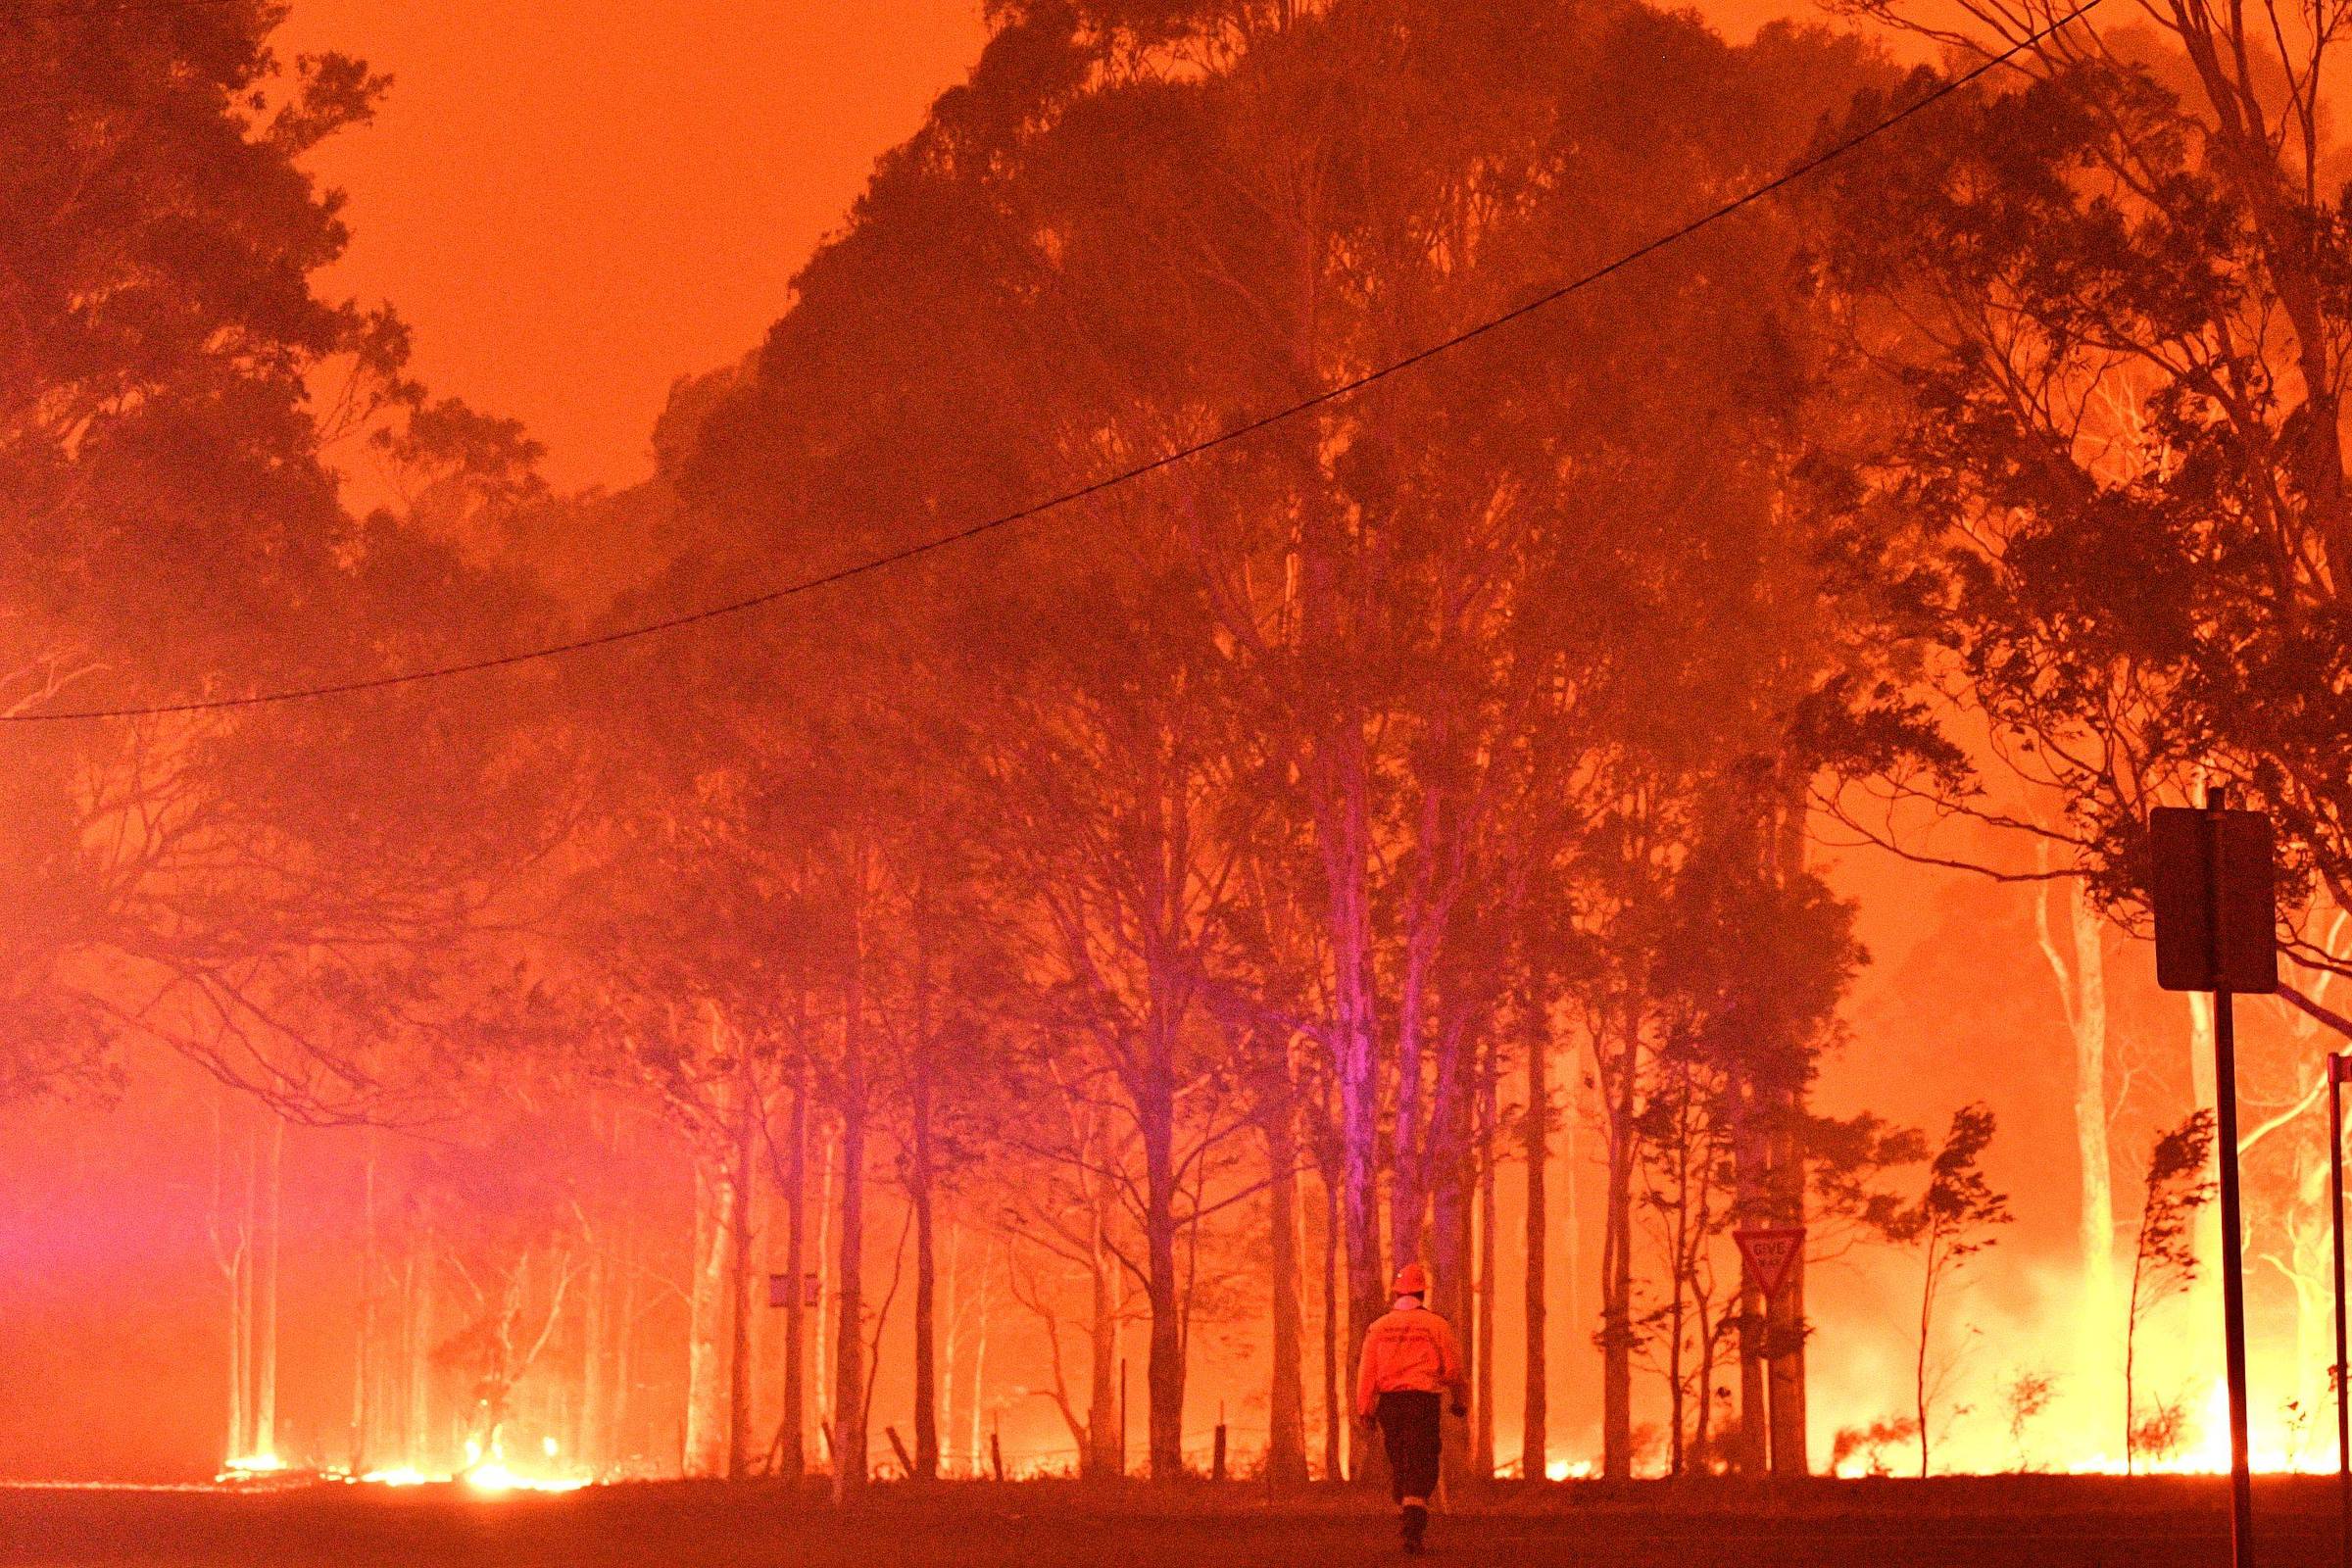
[[1197, 694]]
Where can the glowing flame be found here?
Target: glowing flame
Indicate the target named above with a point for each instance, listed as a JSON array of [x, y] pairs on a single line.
[[491, 1473], [496, 1477], [400, 1475], [2211, 1452]]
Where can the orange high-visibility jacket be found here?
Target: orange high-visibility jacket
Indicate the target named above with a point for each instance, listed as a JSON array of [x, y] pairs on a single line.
[[1409, 1349]]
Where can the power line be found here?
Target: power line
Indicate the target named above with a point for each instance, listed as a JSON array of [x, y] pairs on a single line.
[[1109, 481]]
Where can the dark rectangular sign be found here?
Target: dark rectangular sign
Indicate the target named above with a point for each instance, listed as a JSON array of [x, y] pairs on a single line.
[[2214, 887]]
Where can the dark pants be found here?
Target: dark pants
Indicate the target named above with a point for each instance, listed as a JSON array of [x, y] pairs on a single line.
[[1409, 1430]]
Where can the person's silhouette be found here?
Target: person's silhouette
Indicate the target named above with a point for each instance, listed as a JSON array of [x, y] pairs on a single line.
[[1411, 1363]]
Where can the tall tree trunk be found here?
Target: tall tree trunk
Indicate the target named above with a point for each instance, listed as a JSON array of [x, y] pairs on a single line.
[[1786, 1314], [792, 1456], [589, 1445], [978, 1403], [1286, 1417], [423, 1451], [951, 1306], [1164, 1365], [1572, 1222], [234, 1261], [1105, 1442], [2204, 1291], [264, 1420], [1535, 1405], [363, 1357], [739, 1271], [1919, 1365], [1617, 1252], [828, 1289], [2311, 1258], [240, 1329], [1481, 1412], [1418, 1137], [2091, 1107], [1710, 1353], [619, 1432], [849, 1328], [1752, 1206], [1453, 1202], [705, 1441], [926, 1262], [1345, 840], [1677, 1299], [1335, 1397], [2200, 1048], [2080, 969], [595, 1443]]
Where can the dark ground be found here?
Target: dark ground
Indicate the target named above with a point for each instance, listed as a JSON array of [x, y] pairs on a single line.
[[2033, 1522]]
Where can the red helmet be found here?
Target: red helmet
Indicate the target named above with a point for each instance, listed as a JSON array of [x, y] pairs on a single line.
[[1412, 1280]]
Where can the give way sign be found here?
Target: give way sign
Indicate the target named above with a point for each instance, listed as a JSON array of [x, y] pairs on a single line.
[[1771, 1255]]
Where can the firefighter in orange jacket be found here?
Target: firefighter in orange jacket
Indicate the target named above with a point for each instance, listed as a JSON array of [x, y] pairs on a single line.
[[1411, 1363]]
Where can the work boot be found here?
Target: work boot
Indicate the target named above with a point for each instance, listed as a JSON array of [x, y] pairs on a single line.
[[1413, 1522]]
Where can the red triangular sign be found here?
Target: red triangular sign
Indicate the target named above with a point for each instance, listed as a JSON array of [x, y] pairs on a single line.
[[1771, 1255]]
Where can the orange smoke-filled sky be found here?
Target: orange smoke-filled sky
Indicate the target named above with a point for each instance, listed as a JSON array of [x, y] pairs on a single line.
[[574, 202]]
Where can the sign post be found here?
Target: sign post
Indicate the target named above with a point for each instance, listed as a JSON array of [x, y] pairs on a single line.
[[2215, 909], [1770, 1254]]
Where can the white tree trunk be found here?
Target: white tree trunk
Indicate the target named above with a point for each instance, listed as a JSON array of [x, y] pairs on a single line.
[[705, 1447], [2079, 967], [2090, 1105], [2312, 1256], [232, 1250], [2204, 1297], [825, 1292], [980, 1367], [264, 1419], [950, 1313], [422, 1451], [364, 1358]]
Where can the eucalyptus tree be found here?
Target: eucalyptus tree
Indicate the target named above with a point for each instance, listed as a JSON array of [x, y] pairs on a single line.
[[2112, 488], [260, 889]]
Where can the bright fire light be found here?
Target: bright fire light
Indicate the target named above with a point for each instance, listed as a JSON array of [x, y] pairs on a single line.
[[496, 1477], [399, 1476]]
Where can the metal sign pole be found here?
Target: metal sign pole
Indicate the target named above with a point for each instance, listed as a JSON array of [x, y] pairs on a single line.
[[2336, 1065], [2233, 1279], [2213, 885], [2233, 1283]]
